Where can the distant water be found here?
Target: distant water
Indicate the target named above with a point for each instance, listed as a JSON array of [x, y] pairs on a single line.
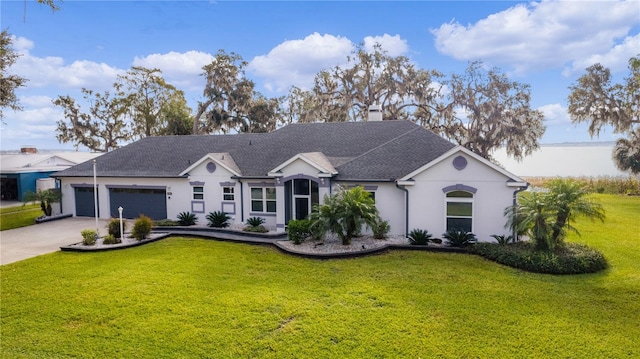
[[564, 160]]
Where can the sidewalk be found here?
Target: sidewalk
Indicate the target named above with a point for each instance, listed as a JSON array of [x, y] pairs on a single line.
[[27, 242]]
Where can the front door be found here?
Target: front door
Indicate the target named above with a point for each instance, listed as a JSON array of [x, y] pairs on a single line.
[[301, 195]]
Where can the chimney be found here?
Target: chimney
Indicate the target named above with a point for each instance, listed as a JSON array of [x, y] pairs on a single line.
[[375, 113], [28, 150]]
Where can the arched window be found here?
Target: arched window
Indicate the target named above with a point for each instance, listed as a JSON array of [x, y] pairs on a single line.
[[459, 210]]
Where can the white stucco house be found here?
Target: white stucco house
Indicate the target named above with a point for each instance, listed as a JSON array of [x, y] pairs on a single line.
[[418, 179]]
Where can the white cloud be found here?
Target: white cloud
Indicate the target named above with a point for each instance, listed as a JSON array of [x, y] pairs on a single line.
[[540, 35], [616, 59], [52, 70], [32, 126], [36, 101], [183, 70], [296, 62], [555, 114], [394, 45]]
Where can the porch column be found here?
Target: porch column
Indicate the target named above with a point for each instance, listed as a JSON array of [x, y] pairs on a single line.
[[280, 205]]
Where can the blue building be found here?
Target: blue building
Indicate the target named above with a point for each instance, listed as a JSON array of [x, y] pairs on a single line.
[[29, 170]]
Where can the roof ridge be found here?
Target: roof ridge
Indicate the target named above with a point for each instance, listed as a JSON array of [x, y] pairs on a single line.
[[382, 145]]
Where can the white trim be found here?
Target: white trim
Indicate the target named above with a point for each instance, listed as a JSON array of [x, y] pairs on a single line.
[[471, 200], [330, 171], [406, 182], [211, 156], [467, 152]]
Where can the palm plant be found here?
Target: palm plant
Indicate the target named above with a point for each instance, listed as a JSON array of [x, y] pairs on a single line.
[[45, 197], [547, 216], [187, 218], [218, 219], [255, 221], [568, 199], [459, 238], [530, 216], [419, 237], [380, 228], [502, 239], [345, 212]]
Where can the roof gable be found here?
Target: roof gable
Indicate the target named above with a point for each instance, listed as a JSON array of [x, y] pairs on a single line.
[[222, 159], [515, 180], [316, 160]]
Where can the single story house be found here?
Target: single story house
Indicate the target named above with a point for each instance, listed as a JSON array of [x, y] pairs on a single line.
[[29, 170], [417, 179]]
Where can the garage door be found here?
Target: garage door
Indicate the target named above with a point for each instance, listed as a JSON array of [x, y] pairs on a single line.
[[151, 202], [85, 206]]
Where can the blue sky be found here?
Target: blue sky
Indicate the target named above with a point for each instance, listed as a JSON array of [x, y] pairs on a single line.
[[545, 44]]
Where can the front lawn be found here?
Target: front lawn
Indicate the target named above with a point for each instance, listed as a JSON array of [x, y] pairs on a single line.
[[190, 298], [20, 216]]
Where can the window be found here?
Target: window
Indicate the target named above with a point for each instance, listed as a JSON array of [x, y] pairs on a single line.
[[198, 192], [228, 193], [373, 196], [460, 210], [263, 199]]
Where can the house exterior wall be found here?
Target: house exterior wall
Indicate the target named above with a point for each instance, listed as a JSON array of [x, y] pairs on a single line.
[[390, 202], [213, 183], [176, 186], [427, 204]]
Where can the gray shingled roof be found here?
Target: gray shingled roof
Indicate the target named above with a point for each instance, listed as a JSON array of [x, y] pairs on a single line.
[[359, 150]]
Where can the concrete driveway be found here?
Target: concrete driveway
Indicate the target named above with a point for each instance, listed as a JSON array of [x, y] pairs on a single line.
[[27, 242]]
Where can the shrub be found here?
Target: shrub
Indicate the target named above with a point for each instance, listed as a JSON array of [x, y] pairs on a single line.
[[187, 219], [255, 221], [166, 223], [502, 239], [256, 229], [298, 230], [419, 237], [218, 219], [113, 228], [459, 238], [141, 227], [111, 239], [380, 229], [89, 237], [569, 258]]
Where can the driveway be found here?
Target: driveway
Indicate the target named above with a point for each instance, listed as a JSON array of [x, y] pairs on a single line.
[[27, 242]]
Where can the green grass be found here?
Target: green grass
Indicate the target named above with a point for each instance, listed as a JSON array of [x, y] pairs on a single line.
[[20, 216], [191, 298]]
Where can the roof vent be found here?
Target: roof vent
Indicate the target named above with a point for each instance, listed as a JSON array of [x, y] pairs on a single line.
[[375, 113]]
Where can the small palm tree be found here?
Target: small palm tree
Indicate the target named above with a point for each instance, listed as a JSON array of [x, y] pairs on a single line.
[[345, 212], [568, 199], [530, 216], [546, 216]]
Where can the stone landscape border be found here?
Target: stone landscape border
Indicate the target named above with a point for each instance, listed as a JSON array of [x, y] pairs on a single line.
[[226, 235]]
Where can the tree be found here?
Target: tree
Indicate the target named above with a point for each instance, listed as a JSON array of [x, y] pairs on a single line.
[[46, 198], [494, 111], [530, 217], [50, 3], [231, 102], [147, 96], [177, 118], [497, 113], [568, 199], [345, 93], [595, 100], [547, 216], [102, 129], [345, 212], [8, 83]]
